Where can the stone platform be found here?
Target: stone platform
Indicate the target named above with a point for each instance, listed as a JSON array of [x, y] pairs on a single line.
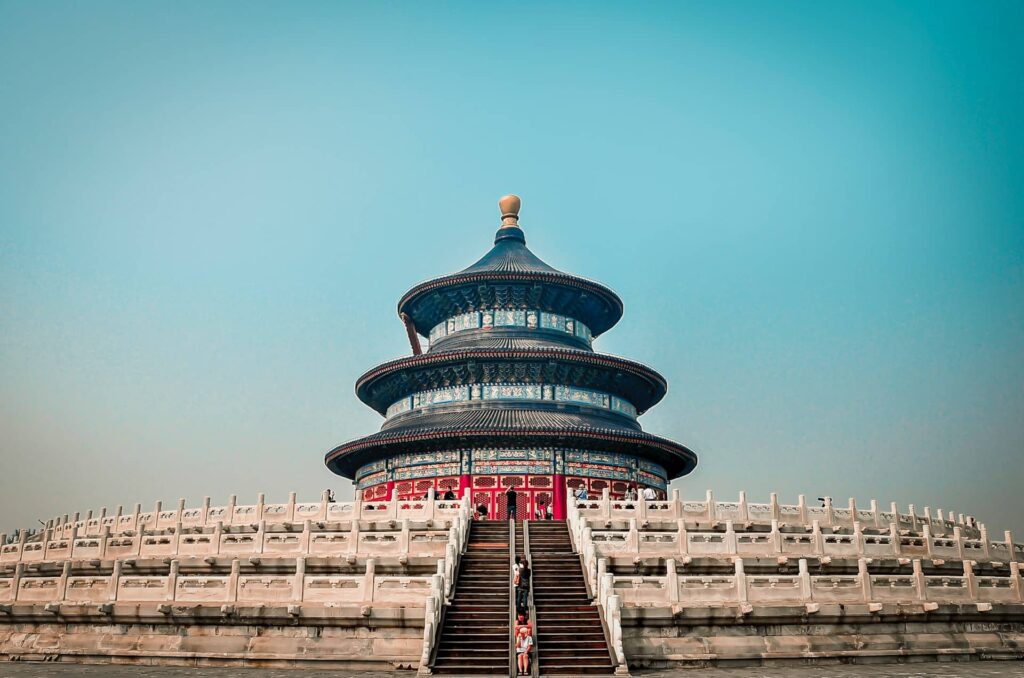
[[922, 670]]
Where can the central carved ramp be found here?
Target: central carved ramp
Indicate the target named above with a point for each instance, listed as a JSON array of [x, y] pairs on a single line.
[[475, 632], [570, 635]]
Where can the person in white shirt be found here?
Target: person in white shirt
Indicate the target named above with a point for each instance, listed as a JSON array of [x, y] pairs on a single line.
[[524, 641], [649, 494]]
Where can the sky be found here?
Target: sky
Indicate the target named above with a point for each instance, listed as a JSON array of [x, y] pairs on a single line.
[[812, 211]]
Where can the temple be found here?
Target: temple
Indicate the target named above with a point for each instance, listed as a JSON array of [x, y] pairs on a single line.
[[510, 392]]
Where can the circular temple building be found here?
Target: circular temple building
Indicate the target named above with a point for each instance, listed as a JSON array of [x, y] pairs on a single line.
[[510, 392]]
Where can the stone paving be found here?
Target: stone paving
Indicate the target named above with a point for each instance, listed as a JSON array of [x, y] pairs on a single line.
[[917, 670]]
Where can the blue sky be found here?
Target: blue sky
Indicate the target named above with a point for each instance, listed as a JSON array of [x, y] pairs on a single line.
[[812, 211]]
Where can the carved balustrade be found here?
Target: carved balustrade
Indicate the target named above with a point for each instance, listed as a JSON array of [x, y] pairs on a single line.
[[866, 588]]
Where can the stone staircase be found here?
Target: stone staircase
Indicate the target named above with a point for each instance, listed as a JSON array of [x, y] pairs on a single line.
[[475, 634], [569, 635]]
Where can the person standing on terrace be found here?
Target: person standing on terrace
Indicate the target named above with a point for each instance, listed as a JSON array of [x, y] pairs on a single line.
[[510, 501]]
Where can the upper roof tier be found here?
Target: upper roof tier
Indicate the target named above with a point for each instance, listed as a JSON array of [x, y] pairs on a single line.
[[510, 276]]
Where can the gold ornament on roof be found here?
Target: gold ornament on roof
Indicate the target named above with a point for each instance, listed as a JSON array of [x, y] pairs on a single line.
[[510, 205]]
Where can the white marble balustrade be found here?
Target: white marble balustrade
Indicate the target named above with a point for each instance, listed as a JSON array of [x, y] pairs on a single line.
[[812, 542], [293, 511], [739, 588], [713, 511]]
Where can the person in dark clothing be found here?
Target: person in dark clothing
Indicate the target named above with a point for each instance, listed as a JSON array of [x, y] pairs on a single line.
[[510, 500], [449, 495], [523, 587]]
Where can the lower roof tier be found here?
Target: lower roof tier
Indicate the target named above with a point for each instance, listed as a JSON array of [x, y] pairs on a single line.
[[500, 427]]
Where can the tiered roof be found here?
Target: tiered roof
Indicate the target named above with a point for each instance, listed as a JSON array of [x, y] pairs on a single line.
[[510, 277]]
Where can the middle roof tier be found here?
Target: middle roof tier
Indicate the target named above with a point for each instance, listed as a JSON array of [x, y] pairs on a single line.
[[634, 382]]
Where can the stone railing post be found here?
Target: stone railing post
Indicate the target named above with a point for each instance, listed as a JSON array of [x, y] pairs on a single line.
[[1016, 582], [773, 507], [894, 538], [801, 507], [261, 502], [261, 536], [830, 516], [449, 571], [232, 502], [23, 539], [369, 587], [172, 580], [115, 579], [926, 536], [958, 537], [218, 530], [204, 517], [853, 510], [817, 539], [730, 538], [677, 504], [919, 582], [62, 583], [858, 538], [300, 579], [135, 518], [306, 540], [912, 512], [682, 538], [865, 580], [776, 537], [177, 537], [289, 514], [875, 520], [671, 581], [607, 586], [805, 581], [353, 536], [157, 507], [972, 582], [404, 537], [895, 511], [181, 509], [322, 513], [711, 508], [641, 508], [19, 572], [633, 540], [741, 580], [1008, 539], [614, 618], [236, 568], [744, 510], [986, 547], [927, 517], [430, 613], [104, 537]]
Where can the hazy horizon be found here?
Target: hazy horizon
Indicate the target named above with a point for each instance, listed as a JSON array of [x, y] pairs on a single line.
[[813, 213]]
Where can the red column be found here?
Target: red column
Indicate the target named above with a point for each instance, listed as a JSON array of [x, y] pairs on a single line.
[[391, 490], [465, 483], [558, 497]]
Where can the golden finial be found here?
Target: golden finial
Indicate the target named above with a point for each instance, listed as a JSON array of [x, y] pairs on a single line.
[[510, 205]]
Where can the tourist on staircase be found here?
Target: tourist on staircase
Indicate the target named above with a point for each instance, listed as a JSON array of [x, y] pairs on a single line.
[[524, 641], [523, 586]]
